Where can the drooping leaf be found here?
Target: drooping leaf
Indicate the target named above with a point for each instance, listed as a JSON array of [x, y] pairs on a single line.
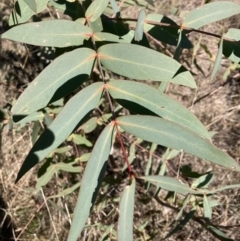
[[210, 13], [231, 49], [125, 222], [202, 181], [170, 134], [233, 186], [96, 9], [165, 34], [55, 33], [186, 200], [67, 191], [59, 78], [74, 111], [139, 27], [103, 37], [137, 62], [114, 6], [32, 4], [207, 208], [218, 59], [169, 183], [218, 233], [35, 131], [79, 140], [72, 9], [35, 116], [22, 10], [96, 26], [157, 102], [89, 126], [47, 176], [91, 181], [182, 223]]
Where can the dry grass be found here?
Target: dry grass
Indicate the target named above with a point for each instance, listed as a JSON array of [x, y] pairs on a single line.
[[38, 218]]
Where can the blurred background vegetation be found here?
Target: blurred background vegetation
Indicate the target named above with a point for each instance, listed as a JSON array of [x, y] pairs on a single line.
[[31, 213]]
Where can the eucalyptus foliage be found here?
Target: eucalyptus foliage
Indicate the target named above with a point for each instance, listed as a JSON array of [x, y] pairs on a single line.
[[98, 38]]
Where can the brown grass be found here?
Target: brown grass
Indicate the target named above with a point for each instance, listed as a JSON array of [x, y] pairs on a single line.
[[37, 217]]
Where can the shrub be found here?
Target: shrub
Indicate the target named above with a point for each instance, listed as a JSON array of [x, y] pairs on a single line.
[[93, 44]]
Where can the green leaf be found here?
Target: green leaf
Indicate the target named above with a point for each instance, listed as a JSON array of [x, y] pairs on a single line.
[[137, 62], [157, 102], [55, 33], [218, 233], [63, 125], [169, 134], [79, 140], [96, 26], [67, 191], [72, 9], [207, 208], [64, 74], [203, 181], [112, 38], [218, 59], [165, 34], [233, 186], [91, 181], [169, 183], [126, 210], [22, 10], [186, 200], [182, 223], [89, 125], [231, 49], [114, 6], [35, 131], [210, 13], [96, 9], [32, 4], [139, 27], [35, 116]]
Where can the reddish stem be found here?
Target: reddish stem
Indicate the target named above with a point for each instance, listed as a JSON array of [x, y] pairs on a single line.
[[131, 173]]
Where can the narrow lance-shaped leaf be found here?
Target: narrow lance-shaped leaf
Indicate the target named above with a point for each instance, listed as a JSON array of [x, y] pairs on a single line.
[[139, 28], [210, 13], [73, 9], [231, 49], [55, 33], [218, 59], [73, 112], [207, 208], [126, 210], [137, 62], [64, 74], [115, 6], [32, 4], [96, 9], [91, 181], [170, 134], [165, 34], [169, 183], [157, 102], [25, 9], [233, 186]]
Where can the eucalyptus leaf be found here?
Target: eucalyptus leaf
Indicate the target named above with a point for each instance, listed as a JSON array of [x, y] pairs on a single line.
[[170, 134], [55, 33], [125, 222], [209, 13], [137, 62], [64, 74], [63, 125], [91, 181]]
